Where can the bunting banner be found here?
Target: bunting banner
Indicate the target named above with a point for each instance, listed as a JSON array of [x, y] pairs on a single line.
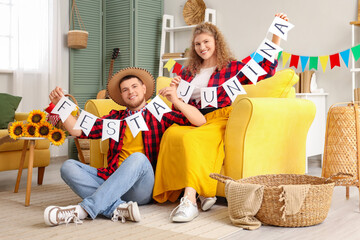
[[157, 107], [111, 127], [267, 49], [312, 62]]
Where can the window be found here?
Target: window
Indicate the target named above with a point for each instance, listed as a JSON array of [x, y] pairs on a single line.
[[5, 33], [24, 34]]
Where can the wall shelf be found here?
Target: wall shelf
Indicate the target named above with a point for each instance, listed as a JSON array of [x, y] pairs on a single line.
[[169, 28]]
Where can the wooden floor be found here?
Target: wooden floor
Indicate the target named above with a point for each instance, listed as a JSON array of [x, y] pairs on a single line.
[[343, 221]]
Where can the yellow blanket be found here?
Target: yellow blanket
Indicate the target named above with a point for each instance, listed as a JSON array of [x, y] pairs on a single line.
[[188, 155]]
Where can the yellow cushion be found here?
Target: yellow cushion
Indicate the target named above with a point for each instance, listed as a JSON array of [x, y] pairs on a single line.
[[162, 82], [277, 86]]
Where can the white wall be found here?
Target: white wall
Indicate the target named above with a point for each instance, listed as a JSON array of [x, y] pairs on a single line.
[[321, 28]]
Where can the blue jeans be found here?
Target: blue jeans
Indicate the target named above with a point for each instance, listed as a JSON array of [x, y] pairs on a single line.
[[132, 181]]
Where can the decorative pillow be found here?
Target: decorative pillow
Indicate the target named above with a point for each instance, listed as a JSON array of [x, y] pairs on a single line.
[[162, 82], [8, 106], [278, 86]]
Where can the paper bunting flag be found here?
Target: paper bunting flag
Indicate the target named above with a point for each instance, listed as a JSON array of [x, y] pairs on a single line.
[[158, 107], [170, 64], [85, 122], [313, 63], [356, 52], [111, 129], [345, 57], [323, 61], [294, 61], [334, 60], [136, 123], [256, 57], [64, 108], [246, 60], [303, 60], [279, 55], [268, 50], [280, 27], [252, 70], [177, 68], [209, 97], [185, 90], [286, 57], [233, 88]]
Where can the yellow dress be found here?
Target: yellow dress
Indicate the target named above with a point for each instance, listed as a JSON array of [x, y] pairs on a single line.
[[188, 155]]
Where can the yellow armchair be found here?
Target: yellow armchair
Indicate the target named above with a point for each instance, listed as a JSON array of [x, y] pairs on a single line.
[[10, 152], [265, 134]]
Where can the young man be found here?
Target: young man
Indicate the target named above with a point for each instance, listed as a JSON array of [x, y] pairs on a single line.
[[128, 180]]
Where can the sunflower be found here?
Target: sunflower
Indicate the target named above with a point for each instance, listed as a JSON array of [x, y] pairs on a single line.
[[36, 116], [16, 130], [44, 129], [31, 130], [57, 136]]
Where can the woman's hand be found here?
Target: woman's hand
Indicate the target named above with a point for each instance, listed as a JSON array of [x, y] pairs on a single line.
[[276, 39], [175, 81], [282, 16], [169, 93]]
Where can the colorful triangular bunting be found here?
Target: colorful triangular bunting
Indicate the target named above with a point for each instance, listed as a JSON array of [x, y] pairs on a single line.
[[345, 57], [303, 60], [313, 63]]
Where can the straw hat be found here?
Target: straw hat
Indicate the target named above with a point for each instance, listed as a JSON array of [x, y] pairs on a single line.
[[194, 12], [113, 86]]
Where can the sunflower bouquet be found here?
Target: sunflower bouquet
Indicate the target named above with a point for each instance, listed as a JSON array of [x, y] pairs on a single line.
[[37, 126]]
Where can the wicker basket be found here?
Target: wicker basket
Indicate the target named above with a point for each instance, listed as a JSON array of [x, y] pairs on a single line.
[[313, 211], [342, 145], [77, 38]]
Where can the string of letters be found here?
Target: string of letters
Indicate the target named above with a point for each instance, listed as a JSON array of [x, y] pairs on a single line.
[[252, 70]]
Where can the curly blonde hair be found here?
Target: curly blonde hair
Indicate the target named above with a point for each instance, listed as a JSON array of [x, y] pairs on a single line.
[[223, 54]]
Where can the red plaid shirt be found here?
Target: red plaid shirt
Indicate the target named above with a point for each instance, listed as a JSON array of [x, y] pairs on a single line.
[[151, 138], [219, 77]]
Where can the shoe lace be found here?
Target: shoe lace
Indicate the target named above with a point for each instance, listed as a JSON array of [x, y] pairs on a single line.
[[184, 204], [120, 213], [69, 215]]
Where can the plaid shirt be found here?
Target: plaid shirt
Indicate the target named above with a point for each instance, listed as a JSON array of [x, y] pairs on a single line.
[[219, 77], [151, 138]]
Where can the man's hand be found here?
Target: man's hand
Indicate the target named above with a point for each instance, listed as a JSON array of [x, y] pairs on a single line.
[[56, 95]]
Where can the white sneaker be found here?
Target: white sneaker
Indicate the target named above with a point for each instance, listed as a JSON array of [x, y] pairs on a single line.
[[185, 212], [127, 211], [207, 203], [54, 215]]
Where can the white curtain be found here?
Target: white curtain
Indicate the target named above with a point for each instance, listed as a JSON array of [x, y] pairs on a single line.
[[37, 48]]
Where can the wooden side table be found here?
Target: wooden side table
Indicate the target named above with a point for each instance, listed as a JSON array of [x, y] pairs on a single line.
[[31, 141]]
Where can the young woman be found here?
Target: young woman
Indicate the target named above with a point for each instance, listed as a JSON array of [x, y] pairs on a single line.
[[188, 154]]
